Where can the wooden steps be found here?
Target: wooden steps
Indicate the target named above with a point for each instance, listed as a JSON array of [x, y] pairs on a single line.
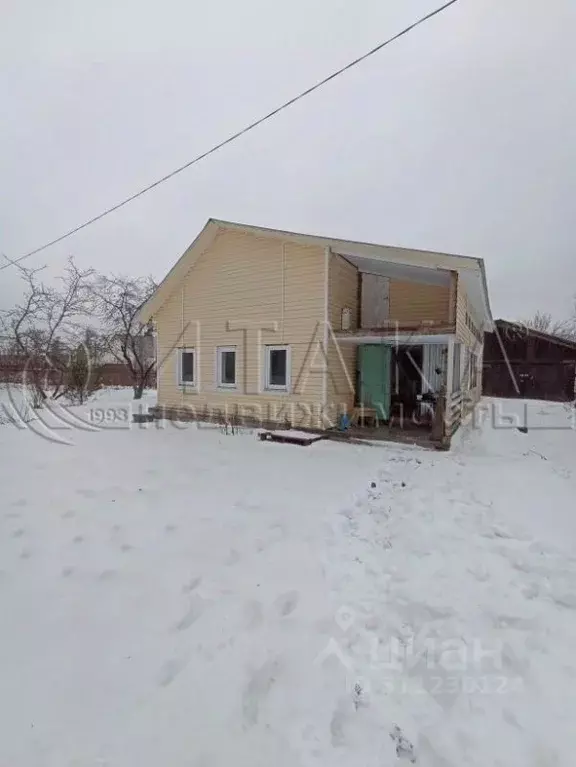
[[290, 436]]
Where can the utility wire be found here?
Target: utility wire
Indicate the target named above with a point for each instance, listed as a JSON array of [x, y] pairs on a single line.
[[235, 136]]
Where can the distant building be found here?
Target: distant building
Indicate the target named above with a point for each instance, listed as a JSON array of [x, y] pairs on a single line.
[[521, 362]]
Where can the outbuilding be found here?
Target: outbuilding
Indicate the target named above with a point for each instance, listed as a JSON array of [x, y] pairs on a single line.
[[522, 362]]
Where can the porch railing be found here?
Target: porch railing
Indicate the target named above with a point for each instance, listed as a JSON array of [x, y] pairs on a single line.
[[450, 411]]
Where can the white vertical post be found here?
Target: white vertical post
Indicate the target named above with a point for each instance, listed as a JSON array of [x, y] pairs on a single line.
[[443, 425], [182, 344], [327, 328]]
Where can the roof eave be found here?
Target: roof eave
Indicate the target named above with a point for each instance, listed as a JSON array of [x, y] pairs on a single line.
[[540, 334], [179, 270]]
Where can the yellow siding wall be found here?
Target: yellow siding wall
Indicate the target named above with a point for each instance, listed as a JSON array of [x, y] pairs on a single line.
[[342, 293], [467, 338], [476, 393], [413, 302], [463, 332], [245, 280]]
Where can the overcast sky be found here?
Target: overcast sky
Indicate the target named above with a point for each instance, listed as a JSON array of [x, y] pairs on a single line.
[[459, 137]]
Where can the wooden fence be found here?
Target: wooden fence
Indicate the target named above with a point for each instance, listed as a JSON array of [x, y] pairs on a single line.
[[12, 370]]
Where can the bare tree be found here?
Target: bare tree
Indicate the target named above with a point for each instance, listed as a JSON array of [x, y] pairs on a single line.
[[118, 302], [543, 323], [47, 325]]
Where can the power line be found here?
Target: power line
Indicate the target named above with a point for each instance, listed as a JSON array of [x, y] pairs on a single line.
[[235, 136]]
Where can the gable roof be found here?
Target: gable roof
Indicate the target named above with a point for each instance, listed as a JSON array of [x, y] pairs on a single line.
[[470, 270], [525, 330]]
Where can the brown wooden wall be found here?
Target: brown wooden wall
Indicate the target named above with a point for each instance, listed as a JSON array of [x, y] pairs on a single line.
[[414, 302], [538, 380], [519, 363]]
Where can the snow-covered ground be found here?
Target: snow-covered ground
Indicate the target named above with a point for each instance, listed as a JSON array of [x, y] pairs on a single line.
[[14, 404], [16, 408], [176, 596]]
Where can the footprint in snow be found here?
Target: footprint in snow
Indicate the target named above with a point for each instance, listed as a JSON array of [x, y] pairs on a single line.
[[195, 610], [481, 573], [565, 599], [192, 584], [286, 603], [337, 728], [170, 670], [257, 688], [170, 528], [531, 591], [498, 532], [510, 717], [107, 575], [342, 717]]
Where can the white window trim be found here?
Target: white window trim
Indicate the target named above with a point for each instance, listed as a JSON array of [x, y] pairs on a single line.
[[274, 387], [187, 385], [219, 383]]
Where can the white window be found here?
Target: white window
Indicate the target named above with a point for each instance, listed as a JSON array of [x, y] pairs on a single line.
[[277, 368], [187, 367], [226, 366]]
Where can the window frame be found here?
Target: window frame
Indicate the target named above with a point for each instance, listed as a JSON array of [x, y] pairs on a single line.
[[220, 350], [187, 384], [473, 370], [269, 387]]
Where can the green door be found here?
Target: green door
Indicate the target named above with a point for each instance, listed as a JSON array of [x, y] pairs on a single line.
[[374, 368]]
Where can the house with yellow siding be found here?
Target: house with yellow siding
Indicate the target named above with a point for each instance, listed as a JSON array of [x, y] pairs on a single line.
[[268, 327]]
